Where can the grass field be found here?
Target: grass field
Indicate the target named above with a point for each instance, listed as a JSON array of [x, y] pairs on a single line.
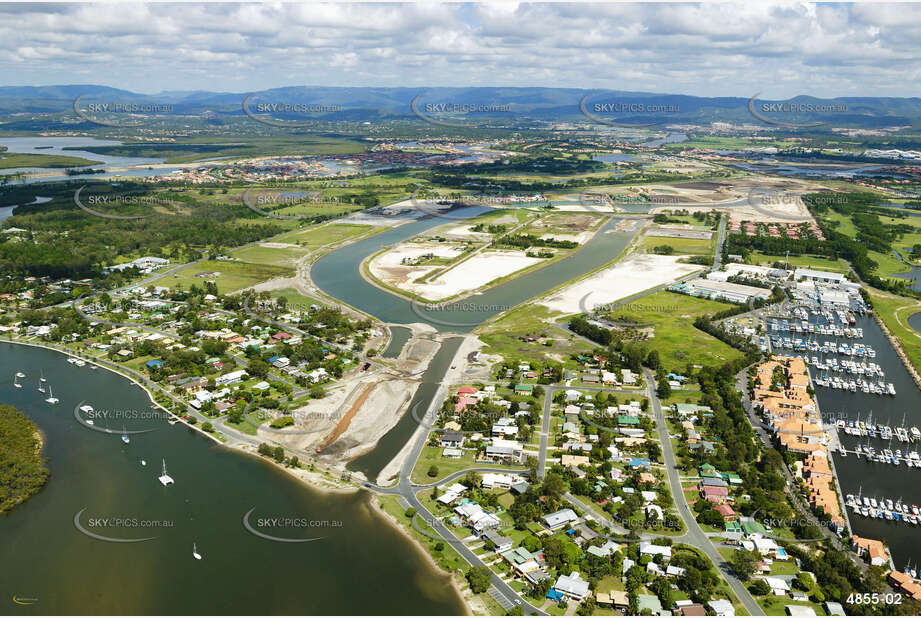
[[324, 235], [684, 246], [800, 261], [671, 316], [503, 337], [894, 311], [233, 275], [271, 256], [11, 160]]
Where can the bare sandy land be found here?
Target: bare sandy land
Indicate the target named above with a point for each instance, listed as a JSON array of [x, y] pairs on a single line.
[[474, 273], [452, 376], [279, 245], [629, 276]]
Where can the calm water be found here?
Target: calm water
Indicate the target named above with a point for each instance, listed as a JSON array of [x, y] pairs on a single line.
[[880, 480], [43, 556], [399, 335], [914, 320], [40, 145], [338, 275]]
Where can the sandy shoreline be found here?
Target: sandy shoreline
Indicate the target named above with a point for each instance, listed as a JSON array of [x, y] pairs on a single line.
[[464, 593]]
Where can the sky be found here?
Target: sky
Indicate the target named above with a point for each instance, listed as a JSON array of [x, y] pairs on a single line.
[[736, 49]]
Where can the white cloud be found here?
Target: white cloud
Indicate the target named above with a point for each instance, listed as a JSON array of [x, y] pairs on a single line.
[[732, 49]]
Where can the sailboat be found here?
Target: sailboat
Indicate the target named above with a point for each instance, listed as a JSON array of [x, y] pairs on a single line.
[[20, 374], [16, 381], [51, 398], [166, 479], [195, 553], [42, 379], [125, 437]]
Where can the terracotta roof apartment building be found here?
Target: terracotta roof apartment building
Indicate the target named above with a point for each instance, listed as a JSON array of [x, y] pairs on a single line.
[[793, 416], [904, 582], [873, 548]]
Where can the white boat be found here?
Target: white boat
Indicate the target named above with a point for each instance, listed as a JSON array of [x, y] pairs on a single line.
[[165, 478], [20, 374], [195, 553], [143, 463], [80, 363], [88, 409], [51, 398], [125, 438], [42, 379], [16, 381]]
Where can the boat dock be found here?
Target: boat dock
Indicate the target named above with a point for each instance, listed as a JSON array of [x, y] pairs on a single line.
[[884, 508]]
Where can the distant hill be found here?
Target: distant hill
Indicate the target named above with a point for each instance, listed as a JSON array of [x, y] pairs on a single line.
[[537, 104]]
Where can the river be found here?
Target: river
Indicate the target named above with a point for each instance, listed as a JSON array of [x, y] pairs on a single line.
[[360, 565], [874, 479], [57, 145]]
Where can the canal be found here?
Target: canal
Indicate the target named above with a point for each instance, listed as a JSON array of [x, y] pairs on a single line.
[[338, 274], [46, 558]]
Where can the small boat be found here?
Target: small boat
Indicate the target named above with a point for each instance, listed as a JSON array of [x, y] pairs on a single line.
[[80, 363], [51, 398], [16, 381], [125, 438], [20, 374], [143, 462], [42, 379], [165, 478], [195, 553]]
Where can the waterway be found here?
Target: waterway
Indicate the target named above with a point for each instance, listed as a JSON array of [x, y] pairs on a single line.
[[7, 211], [874, 479], [394, 440], [399, 335], [338, 274], [57, 145], [914, 320], [360, 565]]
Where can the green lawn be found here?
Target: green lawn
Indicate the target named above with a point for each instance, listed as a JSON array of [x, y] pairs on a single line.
[[672, 318], [800, 261], [271, 256], [503, 337], [684, 246], [894, 311], [325, 234], [233, 275]]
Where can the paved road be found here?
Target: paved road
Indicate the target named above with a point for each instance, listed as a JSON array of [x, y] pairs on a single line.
[[695, 535]]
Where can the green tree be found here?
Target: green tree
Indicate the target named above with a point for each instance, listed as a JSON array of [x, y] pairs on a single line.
[[479, 578], [743, 563]]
